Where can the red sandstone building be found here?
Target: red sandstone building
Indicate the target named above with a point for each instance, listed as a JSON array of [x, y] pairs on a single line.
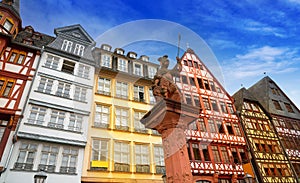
[[20, 49], [202, 137]]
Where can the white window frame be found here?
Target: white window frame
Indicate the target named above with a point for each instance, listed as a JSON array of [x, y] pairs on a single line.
[[138, 90], [37, 115], [8, 25], [142, 154], [45, 85], [106, 60], [27, 152], [122, 89], [79, 49], [102, 116], [136, 71], [48, 158], [137, 123], [151, 71], [80, 93], [69, 160], [122, 152], [52, 61], [152, 99], [159, 156], [83, 71], [75, 122], [122, 65], [63, 90], [100, 150], [104, 86], [67, 45], [57, 119], [121, 117]]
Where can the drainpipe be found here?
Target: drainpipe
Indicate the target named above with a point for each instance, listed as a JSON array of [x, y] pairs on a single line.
[[15, 137]]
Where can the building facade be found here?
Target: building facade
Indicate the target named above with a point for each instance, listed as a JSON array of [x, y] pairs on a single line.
[[269, 160], [53, 132], [285, 117], [120, 148], [20, 52]]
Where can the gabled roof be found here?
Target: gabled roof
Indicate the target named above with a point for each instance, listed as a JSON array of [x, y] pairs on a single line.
[[240, 96], [75, 32], [265, 92]]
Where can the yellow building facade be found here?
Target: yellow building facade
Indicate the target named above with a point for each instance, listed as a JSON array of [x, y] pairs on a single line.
[[119, 148]]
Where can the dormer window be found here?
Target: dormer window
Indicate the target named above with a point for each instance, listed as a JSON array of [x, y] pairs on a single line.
[[37, 36], [120, 51], [28, 41], [106, 47], [29, 29], [138, 70], [8, 25], [79, 49], [131, 55], [67, 46], [145, 58]]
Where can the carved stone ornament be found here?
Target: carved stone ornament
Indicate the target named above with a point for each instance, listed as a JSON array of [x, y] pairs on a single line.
[[163, 85]]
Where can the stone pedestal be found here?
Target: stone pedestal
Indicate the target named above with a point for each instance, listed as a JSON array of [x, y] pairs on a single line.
[[170, 118]]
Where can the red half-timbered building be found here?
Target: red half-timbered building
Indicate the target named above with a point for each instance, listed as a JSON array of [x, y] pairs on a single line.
[[20, 51], [215, 142]]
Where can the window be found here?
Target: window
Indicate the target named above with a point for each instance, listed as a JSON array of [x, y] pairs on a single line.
[[83, 71], [202, 125], [142, 158], [190, 63], [196, 151], [68, 67], [220, 126], [277, 105], [229, 129], [159, 159], [122, 90], [206, 84], [119, 51], [121, 156], [230, 107], [138, 70], [45, 85], [185, 63], [289, 107], [57, 119], [138, 126], [69, 160], [212, 86], [138, 93], [205, 152], [212, 126], [80, 94], [104, 86], [122, 118], [6, 87], [235, 156], [106, 47], [3, 124], [152, 99], [243, 155], [195, 64], [63, 90], [75, 123], [237, 130], [48, 158], [216, 154], [192, 81], [102, 116], [223, 108], [122, 65], [52, 62], [37, 115], [200, 83], [151, 72], [184, 80], [214, 105], [17, 58], [106, 61], [196, 100], [188, 99], [225, 154], [26, 156], [79, 49], [99, 153], [193, 125], [8, 25], [67, 46], [206, 103]]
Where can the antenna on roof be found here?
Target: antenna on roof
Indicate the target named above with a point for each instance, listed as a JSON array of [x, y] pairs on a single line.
[[265, 73], [179, 37]]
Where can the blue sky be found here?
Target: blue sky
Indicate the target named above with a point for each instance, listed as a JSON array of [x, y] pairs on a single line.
[[247, 37]]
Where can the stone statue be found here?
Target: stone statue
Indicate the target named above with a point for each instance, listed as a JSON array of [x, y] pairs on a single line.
[[163, 84]]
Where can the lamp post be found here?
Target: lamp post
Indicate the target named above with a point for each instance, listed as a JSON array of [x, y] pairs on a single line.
[[248, 178], [40, 177]]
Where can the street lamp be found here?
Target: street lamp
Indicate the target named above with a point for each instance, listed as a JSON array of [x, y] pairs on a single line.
[[40, 177], [248, 178]]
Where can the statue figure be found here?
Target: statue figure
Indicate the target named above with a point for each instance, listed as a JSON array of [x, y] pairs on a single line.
[[163, 85]]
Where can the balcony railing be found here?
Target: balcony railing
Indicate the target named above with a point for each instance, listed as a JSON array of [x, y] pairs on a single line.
[[122, 167], [160, 169], [142, 168], [47, 168], [23, 166], [68, 170], [55, 125]]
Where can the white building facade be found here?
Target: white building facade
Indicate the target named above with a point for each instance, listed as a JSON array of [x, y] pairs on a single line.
[[53, 131]]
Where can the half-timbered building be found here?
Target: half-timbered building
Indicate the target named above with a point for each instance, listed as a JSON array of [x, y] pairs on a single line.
[[269, 160], [20, 51], [215, 142], [285, 117]]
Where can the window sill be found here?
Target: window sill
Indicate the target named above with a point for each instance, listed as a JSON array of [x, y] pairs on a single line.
[[17, 170], [53, 128]]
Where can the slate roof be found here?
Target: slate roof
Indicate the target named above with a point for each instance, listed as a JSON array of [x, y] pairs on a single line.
[[240, 96], [24, 34], [262, 90]]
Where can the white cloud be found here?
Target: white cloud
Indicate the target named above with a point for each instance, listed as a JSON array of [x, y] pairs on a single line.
[[256, 61], [295, 1], [262, 28]]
